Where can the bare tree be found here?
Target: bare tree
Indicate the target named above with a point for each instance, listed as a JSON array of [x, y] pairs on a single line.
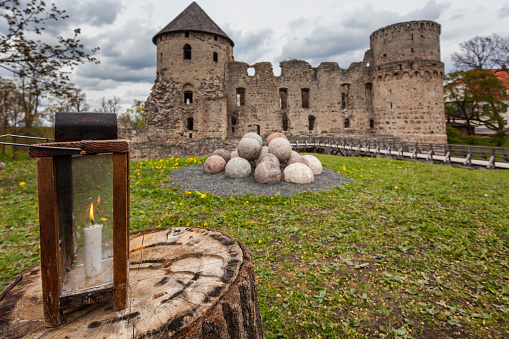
[[482, 53], [109, 105], [42, 67]]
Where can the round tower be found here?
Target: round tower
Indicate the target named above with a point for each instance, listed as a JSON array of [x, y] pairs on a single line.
[[188, 98], [407, 77], [192, 47]]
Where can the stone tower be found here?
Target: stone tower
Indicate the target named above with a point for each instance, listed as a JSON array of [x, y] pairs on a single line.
[[188, 95], [407, 78]]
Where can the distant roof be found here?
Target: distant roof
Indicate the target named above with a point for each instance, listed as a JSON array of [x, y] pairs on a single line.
[[193, 18]]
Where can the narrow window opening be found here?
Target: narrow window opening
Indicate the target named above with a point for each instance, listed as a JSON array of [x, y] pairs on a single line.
[[371, 123], [412, 37], [188, 97], [285, 123], [305, 97], [400, 66], [385, 55], [215, 37], [369, 94], [345, 91], [234, 120], [390, 103], [312, 121], [411, 66], [283, 98], [241, 93], [251, 71], [214, 56], [190, 135], [186, 34], [233, 129], [412, 50], [347, 123], [190, 123], [187, 51]]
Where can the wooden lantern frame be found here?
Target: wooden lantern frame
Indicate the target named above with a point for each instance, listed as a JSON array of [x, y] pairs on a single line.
[[56, 157]]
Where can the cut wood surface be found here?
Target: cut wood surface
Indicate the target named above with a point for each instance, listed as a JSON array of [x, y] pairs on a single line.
[[183, 283]]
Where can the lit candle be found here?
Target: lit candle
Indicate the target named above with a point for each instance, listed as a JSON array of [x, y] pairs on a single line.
[[93, 247]]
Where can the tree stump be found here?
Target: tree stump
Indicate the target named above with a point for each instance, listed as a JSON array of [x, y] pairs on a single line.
[[183, 283]]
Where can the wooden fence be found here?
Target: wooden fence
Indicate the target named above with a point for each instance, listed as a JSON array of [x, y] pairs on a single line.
[[454, 155]]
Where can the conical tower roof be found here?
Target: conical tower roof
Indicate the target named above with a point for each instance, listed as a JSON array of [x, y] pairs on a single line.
[[193, 18]]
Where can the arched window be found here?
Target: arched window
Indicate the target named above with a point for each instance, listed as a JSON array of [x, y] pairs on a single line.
[[187, 51], [188, 97], [214, 56]]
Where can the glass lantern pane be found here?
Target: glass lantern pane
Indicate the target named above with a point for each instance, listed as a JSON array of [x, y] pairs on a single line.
[[92, 192]]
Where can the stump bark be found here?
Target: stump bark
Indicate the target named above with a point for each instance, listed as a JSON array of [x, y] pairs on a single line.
[[183, 283]]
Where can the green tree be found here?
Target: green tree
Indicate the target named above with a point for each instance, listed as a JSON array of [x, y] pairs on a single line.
[[135, 114], [475, 97]]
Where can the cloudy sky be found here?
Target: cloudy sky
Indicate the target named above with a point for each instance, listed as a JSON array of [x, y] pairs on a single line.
[[263, 30]]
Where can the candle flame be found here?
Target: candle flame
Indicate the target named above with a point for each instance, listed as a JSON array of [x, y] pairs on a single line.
[[98, 199], [92, 211]]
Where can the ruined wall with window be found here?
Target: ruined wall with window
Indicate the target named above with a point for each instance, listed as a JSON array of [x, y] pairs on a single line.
[[302, 101]]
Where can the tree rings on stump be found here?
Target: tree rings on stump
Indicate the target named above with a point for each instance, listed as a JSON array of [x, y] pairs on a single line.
[[183, 283]]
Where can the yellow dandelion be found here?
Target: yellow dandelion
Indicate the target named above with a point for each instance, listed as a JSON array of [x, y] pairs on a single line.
[[22, 183], [395, 187]]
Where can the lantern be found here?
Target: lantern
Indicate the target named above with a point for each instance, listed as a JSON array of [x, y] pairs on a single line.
[[83, 213]]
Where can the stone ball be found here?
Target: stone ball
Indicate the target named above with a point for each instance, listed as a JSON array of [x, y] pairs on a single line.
[[314, 163], [264, 150], [296, 158], [255, 136], [214, 164], [274, 136], [268, 157], [249, 149], [281, 148], [2, 166], [234, 154], [223, 154], [238, 168], [299, 174], [267, 172]]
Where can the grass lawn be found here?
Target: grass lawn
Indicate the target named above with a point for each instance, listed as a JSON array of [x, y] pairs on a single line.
[[406, 250]]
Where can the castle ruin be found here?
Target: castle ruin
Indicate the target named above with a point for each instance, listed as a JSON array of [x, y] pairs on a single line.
[[200, 91]]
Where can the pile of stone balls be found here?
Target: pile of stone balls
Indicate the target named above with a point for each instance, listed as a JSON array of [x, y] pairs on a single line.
[[267, 161]]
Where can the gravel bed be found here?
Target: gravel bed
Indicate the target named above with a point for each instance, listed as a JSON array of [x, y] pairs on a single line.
[[193, 178]]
